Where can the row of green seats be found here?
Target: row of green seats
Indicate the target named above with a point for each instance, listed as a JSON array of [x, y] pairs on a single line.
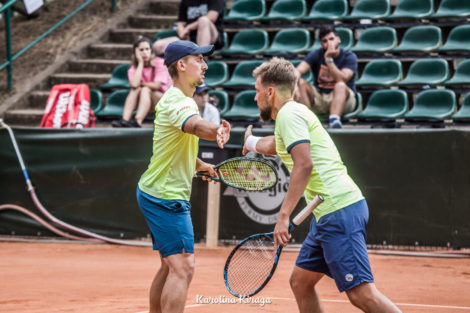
[[432, 71], [290, 10], [429, 105], [379, 72], [383, 105], [380, 39]]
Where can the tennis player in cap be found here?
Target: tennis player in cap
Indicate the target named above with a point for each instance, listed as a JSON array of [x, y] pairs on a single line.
[[164, 189], [335, 245]]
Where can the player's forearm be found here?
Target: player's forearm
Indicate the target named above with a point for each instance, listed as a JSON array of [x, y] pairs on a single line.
[[266, 145], [299, 178], [204, 130]]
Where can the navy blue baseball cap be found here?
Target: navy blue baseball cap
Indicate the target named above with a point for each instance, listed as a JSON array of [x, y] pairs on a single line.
[[202, 88], [181, 48]]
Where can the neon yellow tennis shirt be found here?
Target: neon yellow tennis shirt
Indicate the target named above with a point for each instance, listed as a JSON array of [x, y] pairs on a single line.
[[173, 163], [295, 123]]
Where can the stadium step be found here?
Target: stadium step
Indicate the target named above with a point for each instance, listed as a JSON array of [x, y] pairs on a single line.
[[151, 21], [91, 79], [24, 117], [99, 66], [163, 7], [110, 51], [129, 35]]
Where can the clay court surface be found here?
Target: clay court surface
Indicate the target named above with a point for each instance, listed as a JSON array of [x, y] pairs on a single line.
[[59, 277]]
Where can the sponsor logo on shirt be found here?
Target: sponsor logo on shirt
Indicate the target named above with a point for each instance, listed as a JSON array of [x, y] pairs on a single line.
[[182, 109]]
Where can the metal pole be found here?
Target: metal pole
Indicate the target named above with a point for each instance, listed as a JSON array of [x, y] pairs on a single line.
[[8, 47]]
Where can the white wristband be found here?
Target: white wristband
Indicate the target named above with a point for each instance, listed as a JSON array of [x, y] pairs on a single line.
[[251, 142]]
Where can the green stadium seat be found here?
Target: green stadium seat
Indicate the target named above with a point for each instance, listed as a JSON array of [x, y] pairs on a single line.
[[381, 72], [246, 10], [453, 8], [376, 39], [243, 74], [412, 9], [420, 39], [96, 100], [355, 112], [463, 114], [327, 10], [164, 34], [458, 40], [426, 72], [114, 104], [118, 78], [345, 34], [386, 104], [307, 76], [461, 75], [286, 10], [249, 41], [222, 100], [369, 9], [292, 40], [216, 74], [433, 104], [244, 106]]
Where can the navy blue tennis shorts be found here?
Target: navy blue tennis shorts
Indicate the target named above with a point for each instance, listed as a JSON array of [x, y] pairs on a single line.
[[336, 246], [169, 222]]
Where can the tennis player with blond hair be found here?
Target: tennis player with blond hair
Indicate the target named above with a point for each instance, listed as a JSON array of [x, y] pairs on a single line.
[[335, 245], [164, 189]]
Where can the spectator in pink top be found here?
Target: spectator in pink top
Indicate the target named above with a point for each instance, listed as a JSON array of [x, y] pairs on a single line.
[[148, 79]]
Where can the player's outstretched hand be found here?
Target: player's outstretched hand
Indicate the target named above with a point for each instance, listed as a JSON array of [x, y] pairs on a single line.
[[248, 133], [223, 134]]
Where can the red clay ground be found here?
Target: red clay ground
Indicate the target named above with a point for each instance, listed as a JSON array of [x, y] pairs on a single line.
[[55, 277]]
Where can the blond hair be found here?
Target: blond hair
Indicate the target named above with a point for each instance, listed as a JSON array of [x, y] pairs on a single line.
[[279, 73]]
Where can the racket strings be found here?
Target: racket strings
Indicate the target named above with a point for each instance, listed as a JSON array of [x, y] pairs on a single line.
[[249, 174], [251, 265]]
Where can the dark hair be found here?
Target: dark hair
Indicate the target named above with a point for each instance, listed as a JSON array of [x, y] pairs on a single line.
[[325, 30], [137, 42]]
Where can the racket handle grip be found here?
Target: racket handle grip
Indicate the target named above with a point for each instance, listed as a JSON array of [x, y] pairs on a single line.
[[299, 218]]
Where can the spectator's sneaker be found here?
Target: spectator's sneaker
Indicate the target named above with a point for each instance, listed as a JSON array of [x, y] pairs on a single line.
[[117, 123], [335, 123]]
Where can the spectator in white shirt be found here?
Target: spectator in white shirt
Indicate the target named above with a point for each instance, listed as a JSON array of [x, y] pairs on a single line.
[[208, 111]]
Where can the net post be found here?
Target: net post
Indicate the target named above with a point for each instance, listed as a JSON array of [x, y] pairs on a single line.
[[212, 222]]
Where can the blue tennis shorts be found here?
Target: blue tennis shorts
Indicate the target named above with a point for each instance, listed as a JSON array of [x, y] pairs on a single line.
[[169, 222], [336, 246]]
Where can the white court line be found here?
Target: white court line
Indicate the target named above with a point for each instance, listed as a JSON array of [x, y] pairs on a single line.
[[432, 306]]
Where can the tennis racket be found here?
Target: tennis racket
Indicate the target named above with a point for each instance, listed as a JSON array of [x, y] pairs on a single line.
[[250, 174], [252, 263]]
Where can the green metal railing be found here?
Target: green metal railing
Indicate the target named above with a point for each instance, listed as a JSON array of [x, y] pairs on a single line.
[[6, 10]]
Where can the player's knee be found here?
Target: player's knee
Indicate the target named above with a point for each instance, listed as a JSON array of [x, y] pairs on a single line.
[[362, 297], [185, 270], [297, 284]]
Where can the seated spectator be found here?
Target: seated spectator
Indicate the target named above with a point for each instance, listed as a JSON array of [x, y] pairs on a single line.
[[199, 21], [148, 79], [208, 111], [334, 70]]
